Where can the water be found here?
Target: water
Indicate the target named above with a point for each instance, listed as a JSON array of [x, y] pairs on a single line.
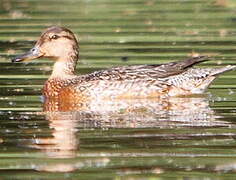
[[194, 138]]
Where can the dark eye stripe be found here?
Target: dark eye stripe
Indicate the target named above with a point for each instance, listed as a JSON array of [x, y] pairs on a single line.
[[56, 37], [68, 37]]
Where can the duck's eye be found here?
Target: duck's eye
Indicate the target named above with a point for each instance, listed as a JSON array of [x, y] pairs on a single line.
[[55, 36]]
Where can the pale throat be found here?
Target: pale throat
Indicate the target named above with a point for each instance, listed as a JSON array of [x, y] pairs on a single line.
[[66, 62], [64, 68]]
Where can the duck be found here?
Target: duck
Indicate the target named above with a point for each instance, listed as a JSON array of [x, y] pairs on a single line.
[[178, 78]]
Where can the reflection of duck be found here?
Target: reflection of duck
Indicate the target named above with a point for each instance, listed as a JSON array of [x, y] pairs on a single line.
[[63, 140], [139, 81], [146, 113], [62, 144], [136, 113]]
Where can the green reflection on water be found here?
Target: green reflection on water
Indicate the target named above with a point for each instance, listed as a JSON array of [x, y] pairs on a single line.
[[140, 32]]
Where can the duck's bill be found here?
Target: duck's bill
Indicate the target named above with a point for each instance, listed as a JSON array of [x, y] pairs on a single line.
[[33, 53]]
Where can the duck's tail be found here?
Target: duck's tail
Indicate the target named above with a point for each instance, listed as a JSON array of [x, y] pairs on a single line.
[[196, 80], [221, 70], [210, 78]]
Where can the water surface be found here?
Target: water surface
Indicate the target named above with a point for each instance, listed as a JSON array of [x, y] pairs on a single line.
[[194, 138]]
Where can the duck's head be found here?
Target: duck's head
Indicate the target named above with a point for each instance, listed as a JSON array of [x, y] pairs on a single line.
[[55, 42]]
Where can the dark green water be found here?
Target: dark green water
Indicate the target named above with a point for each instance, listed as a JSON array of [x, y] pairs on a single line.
[[195, 139]]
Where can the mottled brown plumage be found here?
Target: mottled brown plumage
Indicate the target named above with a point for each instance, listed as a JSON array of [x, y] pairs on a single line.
[[138, 81]]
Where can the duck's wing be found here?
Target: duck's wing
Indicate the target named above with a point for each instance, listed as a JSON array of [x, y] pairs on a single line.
[[174, 68], [146, 71]]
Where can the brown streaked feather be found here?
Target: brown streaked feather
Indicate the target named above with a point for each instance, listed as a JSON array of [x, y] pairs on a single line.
[[175, 68], [146, 71]]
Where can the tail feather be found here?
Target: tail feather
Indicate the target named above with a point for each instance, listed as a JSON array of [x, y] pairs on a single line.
[[195, 80], [218, 71], [212, 76]]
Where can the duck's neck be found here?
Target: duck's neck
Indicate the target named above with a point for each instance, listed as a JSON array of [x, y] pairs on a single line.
[[64, 68]]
